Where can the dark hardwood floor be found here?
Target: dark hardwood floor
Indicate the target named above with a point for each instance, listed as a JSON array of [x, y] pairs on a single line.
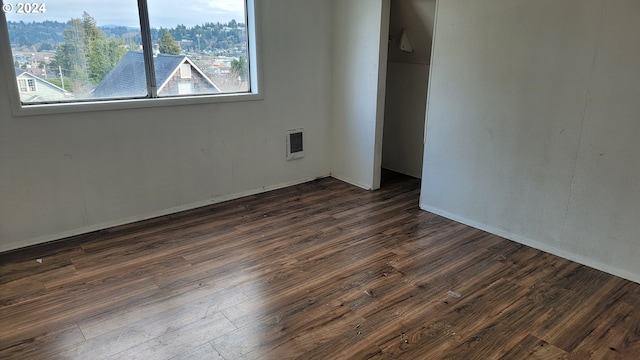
[[322, 270]]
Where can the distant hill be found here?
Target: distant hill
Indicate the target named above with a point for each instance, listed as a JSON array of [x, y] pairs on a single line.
[[34, 33], [212, 37]]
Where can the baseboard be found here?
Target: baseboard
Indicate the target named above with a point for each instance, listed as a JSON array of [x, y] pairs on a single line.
[[537, 245]]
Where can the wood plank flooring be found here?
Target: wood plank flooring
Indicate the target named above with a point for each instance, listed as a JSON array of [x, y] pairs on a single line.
[[322, 270]]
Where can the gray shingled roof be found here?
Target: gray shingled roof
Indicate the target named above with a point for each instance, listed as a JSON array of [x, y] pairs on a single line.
[[127, 78]]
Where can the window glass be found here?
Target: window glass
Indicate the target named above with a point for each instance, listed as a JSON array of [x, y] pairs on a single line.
[[185, 88], [185, 71], [70, 46], [22, 84], [209, 34], [78, 50], [31, 85]]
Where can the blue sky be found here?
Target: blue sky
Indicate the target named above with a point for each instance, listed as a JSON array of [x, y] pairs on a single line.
[[165, 13]]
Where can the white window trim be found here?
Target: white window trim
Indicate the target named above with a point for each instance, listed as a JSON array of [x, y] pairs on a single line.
[[255, 71]]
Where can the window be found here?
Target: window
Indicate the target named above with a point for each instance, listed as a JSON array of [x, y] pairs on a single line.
[[185, 88], [128, 49], [185, 71], [27, 85], [31, 85], [22, 84]]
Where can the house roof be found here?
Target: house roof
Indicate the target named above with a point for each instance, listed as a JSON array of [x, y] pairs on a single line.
[[23, 74], [127, 78]]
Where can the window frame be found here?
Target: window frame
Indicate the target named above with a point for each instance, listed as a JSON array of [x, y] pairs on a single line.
[[255, 73]]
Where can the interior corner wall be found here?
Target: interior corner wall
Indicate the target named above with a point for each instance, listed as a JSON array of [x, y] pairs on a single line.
[[66, 174], [357, 112], [533, 127]]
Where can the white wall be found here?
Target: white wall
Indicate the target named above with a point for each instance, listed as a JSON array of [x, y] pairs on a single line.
[[71, 173], [533, 125], [407, 81], [360, 50]]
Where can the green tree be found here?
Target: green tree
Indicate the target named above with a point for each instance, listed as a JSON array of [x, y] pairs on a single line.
[[239, 68], [71, 56], [45, 47], [90, 28], [104, 54], [87, 55], [167, 44], [58, 83]]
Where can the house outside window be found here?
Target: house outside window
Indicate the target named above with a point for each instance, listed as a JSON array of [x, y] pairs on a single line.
[[36, 89], [100, 55]]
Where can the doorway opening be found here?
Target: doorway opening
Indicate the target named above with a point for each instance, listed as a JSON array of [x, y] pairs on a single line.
[[409, 53]]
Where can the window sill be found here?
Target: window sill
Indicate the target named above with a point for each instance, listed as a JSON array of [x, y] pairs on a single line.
[[108, 105]]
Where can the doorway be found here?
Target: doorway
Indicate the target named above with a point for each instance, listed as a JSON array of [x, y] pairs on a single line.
[[409, 53]]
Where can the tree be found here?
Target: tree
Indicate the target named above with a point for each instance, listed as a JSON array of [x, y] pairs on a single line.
[[58, 82], [104, 54], [45, 47], [87, 55], [239, 68], [91, 31], [167, 44], [71, 56]]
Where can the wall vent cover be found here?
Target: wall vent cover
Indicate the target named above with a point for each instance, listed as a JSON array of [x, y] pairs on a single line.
[[295, 144]]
